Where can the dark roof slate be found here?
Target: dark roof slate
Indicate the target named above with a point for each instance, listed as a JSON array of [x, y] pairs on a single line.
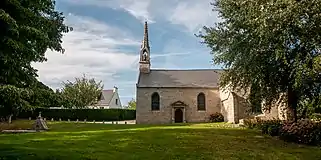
[[193, 78], [106, 96]]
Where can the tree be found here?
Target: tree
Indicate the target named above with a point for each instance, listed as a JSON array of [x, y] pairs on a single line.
[[28, 29], [43, 96], [82, 92], [274, 46], [13, 100], [132, 104]]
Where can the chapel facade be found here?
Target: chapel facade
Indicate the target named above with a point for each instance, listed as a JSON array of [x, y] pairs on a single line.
[[180, 96]]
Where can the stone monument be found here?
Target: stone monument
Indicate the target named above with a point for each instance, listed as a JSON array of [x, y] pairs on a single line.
[[40, 124]]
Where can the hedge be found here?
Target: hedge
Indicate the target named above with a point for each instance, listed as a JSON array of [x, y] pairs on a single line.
[[81, 114]]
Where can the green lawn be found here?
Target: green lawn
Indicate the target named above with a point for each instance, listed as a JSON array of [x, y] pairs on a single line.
[[69, 141]]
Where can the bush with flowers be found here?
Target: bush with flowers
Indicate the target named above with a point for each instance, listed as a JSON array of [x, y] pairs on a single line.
[[303, 131], [216, 117]]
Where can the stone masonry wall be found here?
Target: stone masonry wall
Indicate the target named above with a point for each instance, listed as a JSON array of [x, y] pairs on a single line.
[[227, 108], [277, 111], [241, 107], [236, 107], [144, 114]]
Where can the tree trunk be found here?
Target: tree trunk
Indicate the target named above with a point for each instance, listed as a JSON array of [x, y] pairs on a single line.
[[304, 112], [292, 105], [10, 119]]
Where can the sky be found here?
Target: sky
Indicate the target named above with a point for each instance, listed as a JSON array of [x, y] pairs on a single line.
[[107, 34]]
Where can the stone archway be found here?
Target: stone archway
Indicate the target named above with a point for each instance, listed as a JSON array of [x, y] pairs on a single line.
[[178, 117], [178, 112]]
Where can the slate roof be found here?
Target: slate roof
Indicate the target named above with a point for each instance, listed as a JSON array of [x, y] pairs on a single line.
[[106, 96], [194, 78]]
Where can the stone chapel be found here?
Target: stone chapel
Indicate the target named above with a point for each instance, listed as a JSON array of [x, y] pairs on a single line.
[[180, 96]]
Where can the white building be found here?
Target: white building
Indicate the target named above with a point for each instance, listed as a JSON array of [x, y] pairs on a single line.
[[109, 99]]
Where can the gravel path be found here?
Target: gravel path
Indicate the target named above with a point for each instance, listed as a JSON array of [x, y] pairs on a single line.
[[110, 122]]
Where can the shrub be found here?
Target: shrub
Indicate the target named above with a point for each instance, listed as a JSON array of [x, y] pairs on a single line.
[[251, 122], [81, 114], [216, 117], [270, 127], [316, 116], [303, 131]]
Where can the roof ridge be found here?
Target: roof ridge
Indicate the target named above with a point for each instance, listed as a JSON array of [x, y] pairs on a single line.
[[200, 69]]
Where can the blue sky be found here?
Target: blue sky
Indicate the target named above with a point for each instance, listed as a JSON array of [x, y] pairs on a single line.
[[107, 35]]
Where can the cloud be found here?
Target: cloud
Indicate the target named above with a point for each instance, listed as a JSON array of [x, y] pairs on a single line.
[[91, 48], [137, 8], [99, 49], [191, 14]]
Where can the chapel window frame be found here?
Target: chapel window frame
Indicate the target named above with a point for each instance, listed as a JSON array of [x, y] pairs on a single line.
[[201, 102], [155, 102]]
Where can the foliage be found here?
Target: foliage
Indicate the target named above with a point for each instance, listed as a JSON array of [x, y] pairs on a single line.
[[255, 99], [316, 117], [270, 127], [309, 107], [184, 141], [216, 117], [44, 96], [81, 93], [132, 104], [28, 29], [275, 45], [81, 114], [303, 131], [14, 100], [251, 123]]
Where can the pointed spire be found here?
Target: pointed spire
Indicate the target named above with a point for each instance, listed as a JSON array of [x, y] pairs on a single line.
[[144, 62], [145, 41]]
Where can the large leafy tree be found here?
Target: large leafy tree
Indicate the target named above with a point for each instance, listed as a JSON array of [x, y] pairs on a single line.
[[81, 93], [273, 46], [27, 29], [13, 100], [43, 96]]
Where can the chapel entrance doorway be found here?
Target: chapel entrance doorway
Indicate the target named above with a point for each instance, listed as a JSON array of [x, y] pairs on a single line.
[[178, 115]]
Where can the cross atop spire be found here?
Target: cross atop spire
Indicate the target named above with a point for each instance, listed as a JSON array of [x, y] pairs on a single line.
[[145, 43]]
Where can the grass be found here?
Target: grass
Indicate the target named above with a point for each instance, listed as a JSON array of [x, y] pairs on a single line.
[[121, 142], [21, 124]]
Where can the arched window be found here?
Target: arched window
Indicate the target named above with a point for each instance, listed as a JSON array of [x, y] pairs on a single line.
[[201, 102], [155, 101], [145, 55]]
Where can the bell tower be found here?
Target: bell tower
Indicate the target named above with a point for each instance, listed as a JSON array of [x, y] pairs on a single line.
[[144, 60]]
